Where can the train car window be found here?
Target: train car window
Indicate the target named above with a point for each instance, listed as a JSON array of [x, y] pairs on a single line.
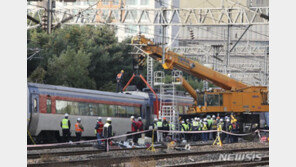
[[69, 107], [83, 108], [73, 108], [111, 110], [48, 105], [103, 110], [35, 105], [61, 107], [95, 109], [91, 109], [122, 111], [130, 111], [137, 111], [186, 108]]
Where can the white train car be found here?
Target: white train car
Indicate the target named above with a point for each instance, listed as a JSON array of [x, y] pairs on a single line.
[[47, 105]]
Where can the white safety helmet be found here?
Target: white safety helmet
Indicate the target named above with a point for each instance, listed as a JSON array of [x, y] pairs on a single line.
[[139, 118], [205, 119], [132, 117], [66, 115], [198, 118], [195, 118], [227, 120], [182, 122], [187, 120], [108, 119], [155, 119], [221, 120], [213, 116], [99, 118], [78, 119]]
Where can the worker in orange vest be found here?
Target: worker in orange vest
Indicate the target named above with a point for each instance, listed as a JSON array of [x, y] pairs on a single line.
[[78, 129], [119, 81]]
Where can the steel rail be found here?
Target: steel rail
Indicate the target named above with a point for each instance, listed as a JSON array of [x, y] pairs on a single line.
[[143, 157]]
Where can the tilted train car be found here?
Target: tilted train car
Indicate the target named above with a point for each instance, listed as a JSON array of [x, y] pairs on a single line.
[[47, 105]]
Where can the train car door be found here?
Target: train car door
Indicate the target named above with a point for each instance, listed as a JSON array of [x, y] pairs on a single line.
[[35, 104], [34, 111], [28, 108]]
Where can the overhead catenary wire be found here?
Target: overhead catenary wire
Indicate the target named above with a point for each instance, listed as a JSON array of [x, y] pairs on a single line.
[[125, 27]]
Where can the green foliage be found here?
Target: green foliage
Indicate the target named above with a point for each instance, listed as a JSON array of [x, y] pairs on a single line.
[[70, 69], [37, 75], [79, 56], [85, 57]]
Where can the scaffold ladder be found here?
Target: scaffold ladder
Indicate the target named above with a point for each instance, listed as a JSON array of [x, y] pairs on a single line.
[[168, 102], [150, 71]]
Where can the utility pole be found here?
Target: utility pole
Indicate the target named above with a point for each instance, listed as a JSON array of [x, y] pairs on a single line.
[[49, 15], [163, 32], [266, 67], [163, 38], [227, 46], [227, 49]]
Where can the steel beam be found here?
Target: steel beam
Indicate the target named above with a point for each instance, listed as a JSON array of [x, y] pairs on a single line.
[[153, 17]]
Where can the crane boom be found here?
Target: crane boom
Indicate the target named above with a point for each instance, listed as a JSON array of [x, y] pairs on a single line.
[[236, 96], [174, 60]]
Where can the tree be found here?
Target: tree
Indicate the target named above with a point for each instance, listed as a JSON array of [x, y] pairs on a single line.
[[80, 56], [38, 75], [70, 69]]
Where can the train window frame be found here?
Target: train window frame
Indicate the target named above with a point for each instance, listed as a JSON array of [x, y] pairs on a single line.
[[137, 113], [98, 109], [122, 111], [111, 110], [48, 105], [103, 110], [130, 111]]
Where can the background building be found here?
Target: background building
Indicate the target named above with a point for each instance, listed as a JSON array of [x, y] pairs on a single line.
[[248, 65]]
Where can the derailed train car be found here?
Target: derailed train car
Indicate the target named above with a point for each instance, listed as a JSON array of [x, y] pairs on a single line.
[[47, 105]]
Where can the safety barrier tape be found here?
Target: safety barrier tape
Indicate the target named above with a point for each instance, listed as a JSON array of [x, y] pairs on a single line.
[[87, 141], [206, 131], [134, 133]]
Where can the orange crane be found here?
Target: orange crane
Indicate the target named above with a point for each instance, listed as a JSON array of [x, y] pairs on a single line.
[[235, 96]]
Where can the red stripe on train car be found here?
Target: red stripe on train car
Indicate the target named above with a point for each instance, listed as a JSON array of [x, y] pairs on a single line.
[[42, 102]]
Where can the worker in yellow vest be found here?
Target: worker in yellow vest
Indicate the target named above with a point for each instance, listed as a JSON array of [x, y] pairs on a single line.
[[66, 126], [107, 131], [78, 129], [204, 128], [184, 127], [214, 126], [195, 128], [159, 127], [119, 77]]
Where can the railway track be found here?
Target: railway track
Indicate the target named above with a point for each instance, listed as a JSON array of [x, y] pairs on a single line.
[[60, 146], [68, 153], [264, 161], [116, 160], [92, 145]]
